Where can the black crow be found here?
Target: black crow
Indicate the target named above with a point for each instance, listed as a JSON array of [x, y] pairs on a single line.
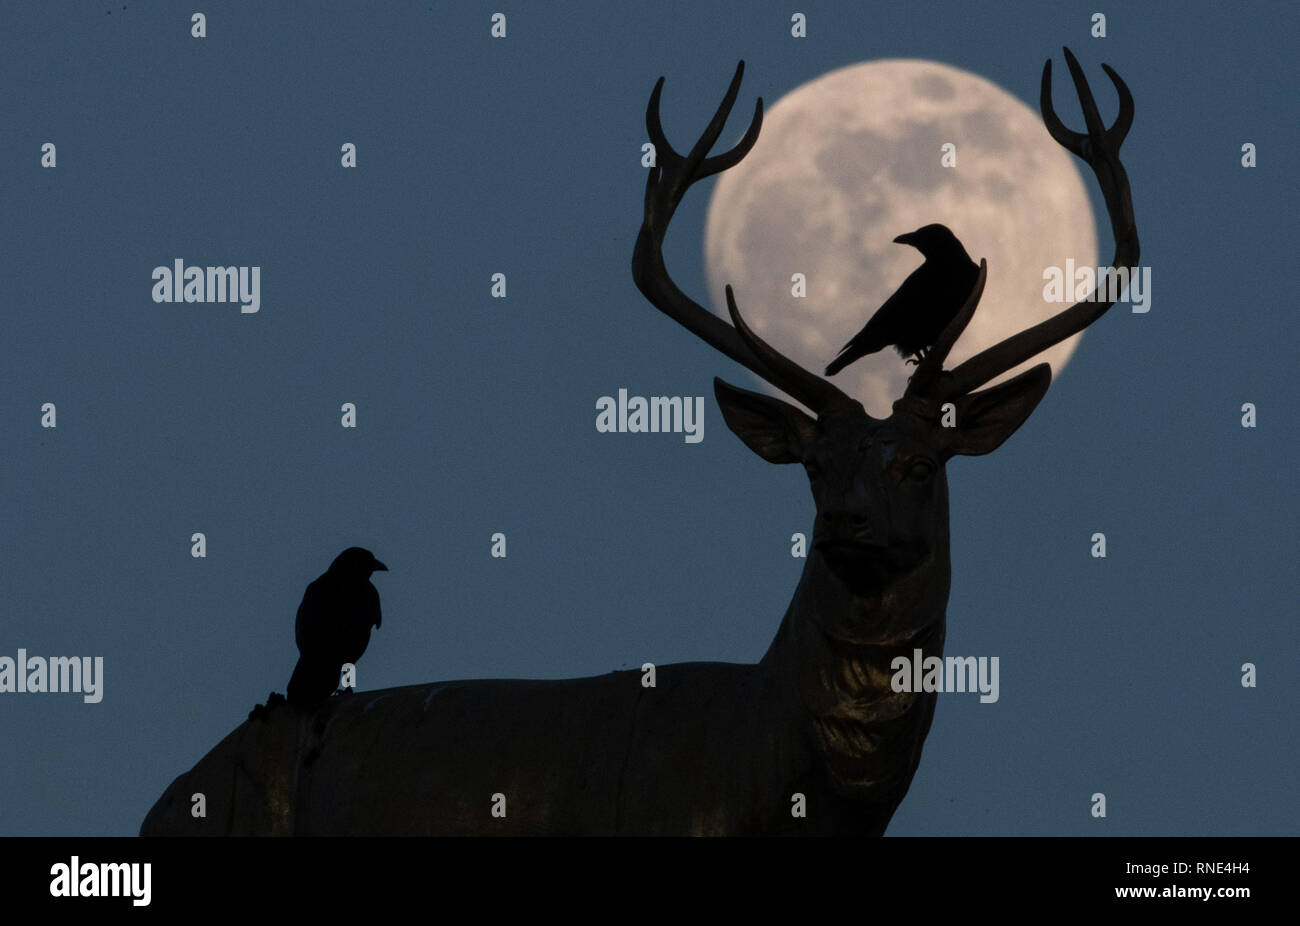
[[916, 314], [333, 625]]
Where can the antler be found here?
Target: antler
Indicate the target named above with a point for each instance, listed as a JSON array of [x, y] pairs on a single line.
[[1100, 148], [666, 184]]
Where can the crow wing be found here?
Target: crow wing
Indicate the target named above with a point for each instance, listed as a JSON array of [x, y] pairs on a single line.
[[887, 326]]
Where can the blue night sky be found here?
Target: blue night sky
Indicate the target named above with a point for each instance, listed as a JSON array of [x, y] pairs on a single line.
[[476, 415]]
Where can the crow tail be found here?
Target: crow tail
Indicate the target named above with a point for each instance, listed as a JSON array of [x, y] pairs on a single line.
[[840, 362], [312, 682]]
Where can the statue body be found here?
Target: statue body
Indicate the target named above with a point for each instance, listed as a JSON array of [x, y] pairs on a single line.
[[813, 739], [711, 749]]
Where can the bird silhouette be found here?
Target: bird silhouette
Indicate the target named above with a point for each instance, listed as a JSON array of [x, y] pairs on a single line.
[[333, 624], [916, 314]]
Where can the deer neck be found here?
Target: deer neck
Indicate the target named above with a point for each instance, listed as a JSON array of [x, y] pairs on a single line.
[[831, 661]]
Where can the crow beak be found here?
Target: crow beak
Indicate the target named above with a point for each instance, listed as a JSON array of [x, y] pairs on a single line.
[[905, 239], [380, 567]]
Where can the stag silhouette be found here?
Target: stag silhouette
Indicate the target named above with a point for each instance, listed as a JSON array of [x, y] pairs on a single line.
[[713, 748]]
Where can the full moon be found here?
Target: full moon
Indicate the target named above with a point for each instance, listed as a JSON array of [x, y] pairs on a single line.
[[848, 161]]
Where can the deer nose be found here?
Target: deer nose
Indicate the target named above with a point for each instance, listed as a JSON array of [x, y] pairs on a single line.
[[848, 523]]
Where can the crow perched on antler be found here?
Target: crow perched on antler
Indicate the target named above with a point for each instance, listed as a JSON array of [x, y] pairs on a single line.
[[916, 314]]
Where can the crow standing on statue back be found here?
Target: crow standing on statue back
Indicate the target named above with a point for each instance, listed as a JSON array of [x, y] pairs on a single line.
[[333, 624], [913, 318]]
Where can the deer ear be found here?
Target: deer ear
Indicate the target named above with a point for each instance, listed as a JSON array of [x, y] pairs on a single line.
[[986, 418], [775, 430]]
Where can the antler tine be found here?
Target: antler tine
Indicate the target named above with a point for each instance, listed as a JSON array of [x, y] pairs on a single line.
[[793, 378], [720, 162], [1100, 149], [1117, 132], [1091, 117], [666, 184], [655, 127]]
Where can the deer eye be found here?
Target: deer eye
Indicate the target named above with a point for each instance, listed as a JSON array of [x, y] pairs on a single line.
[[920, 470]]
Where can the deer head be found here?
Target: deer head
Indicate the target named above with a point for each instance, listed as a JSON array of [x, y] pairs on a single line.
[[879, 485]]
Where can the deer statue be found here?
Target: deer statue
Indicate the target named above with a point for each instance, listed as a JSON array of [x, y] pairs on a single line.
[[711, 748]]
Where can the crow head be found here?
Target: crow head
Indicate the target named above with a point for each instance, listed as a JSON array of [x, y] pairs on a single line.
[[934, 241], [355, 561]]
